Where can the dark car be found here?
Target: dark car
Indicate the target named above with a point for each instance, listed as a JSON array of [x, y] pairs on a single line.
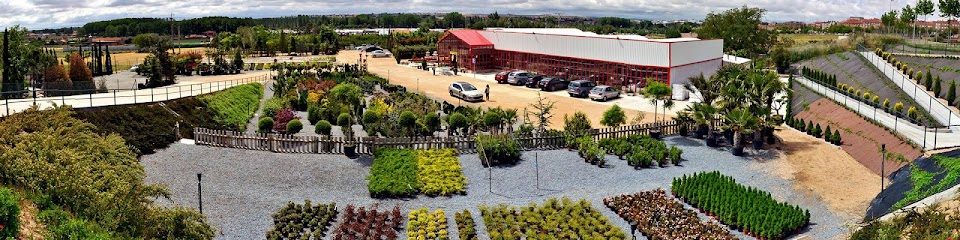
[[534, 81], [580, 88], [501, 77], [553, 83], [371, 49]]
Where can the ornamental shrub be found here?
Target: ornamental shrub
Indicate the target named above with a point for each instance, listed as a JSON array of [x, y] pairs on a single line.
[[498, 149], [827, 134], [265, 124], [431, 121], [898, 107], [272, 106], [614, 117], [835, 139], [9, 214], [313, 114], [886, 103], [952, 93], [937, 88], [912, 113], [323, 128], [294, 126], [675, 155], [281, 119], [817, 131], [578, 122], [810, 127], [456, 121]]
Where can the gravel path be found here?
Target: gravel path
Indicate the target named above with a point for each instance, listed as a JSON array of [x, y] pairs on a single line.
[[242, 188], [252, 127]]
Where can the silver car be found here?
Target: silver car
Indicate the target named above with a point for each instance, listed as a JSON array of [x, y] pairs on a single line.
[[604, 92], [465, 91], [379, 54], [518, 77]]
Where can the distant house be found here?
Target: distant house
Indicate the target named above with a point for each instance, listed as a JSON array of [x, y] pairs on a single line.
[[109, 41], [197, 36], [210, 34], [862, 22]]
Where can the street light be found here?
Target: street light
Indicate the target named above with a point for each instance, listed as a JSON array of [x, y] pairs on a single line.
[[633, 229], [883, 161]]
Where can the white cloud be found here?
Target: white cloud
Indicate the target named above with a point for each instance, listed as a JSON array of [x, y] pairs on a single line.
[[37, 14]]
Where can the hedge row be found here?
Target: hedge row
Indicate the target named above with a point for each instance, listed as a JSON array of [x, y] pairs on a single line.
[[148, 127], [236, 105]]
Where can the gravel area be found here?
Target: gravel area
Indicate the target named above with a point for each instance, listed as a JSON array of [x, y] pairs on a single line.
[[242, 188]]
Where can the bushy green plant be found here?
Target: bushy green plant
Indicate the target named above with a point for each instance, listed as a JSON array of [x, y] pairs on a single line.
[[952, 93], [393, 174], [236, 105], [835, 138], [294, 126], [431, 121], [498, 149], [272, 105], [740, 206], [614, 117], [465, 225], [313, 114], [886, 103], [302, 220], [323, 128], [675, 155], [912, 112], [577, 123], [640, 159], [439, 172], [9, 213], [424, 224], [265, 124]]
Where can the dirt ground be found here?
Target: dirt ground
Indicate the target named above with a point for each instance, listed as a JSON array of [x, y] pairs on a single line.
[[502, 95], [828, 172], [30, 226], [861, 139]]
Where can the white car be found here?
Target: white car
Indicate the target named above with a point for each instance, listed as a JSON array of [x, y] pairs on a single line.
[[134, 68], [465, 91], [379, 54]]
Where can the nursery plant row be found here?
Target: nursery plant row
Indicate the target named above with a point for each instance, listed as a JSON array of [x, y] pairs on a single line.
[[741, 207], [406, 172], [912, 114], [423, 224], [815, 130], [555, 219], [659, 216], [301, 221]]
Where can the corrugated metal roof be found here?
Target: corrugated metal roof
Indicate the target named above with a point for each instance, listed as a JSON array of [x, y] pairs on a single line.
[[471, 37]]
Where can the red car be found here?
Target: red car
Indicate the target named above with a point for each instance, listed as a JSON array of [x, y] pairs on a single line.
[[501, 77]]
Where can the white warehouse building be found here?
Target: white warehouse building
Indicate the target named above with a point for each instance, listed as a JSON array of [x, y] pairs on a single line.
[[574, 54]]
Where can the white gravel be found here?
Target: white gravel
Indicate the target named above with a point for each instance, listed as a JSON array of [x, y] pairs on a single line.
[[241, 188]]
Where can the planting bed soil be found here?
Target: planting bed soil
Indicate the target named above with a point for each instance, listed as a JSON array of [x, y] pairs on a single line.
[[861, 139], [851, 70], [242, 188], [947, 68]]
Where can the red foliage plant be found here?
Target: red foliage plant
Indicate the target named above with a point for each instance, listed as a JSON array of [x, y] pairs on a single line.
[[281, 119], [314, 84], [360, 223], [79, 72]]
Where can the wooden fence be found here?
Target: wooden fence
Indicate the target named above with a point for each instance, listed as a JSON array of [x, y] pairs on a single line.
[[284, 143]]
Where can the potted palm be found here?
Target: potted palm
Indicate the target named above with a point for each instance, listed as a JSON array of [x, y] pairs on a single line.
[[704, 115], [739, 122], [684, 118]]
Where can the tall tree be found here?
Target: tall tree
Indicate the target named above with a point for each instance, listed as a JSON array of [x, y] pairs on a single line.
[[454, 20], [739, 30], [924, 7], [908, 15], [950, 9], [889, 19]]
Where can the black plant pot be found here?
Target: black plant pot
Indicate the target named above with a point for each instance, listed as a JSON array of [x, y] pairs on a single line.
[[711, 142], [728, 135], [701, 131], [737, 151], [684, 131], [771, 139], [757, 144], [350, 151], [655, 134]]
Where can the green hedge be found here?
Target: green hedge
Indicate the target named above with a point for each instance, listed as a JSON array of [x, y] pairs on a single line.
[[412, 51], [394, 173], [498, 149], [236, 105], [739, 206]]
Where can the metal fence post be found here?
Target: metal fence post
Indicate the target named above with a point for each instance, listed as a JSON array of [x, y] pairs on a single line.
[[151, 94], [90, 95], [115, 97], [6, 105]]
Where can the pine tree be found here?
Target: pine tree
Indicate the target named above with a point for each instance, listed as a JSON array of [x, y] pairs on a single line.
[[109, 62], [810, 127], [827, 134], [928, 81], [817, 131], [936, 87], [952, 93]]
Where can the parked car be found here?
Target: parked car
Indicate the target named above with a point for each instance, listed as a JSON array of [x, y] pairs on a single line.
[[518, 77], [371, 49], [604, 92], [553, 83], [580, 88], [501, 77], [379, 54], [135, 68], [534, 81], [465, 91]]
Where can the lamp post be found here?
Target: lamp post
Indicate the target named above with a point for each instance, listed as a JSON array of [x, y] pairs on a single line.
[[883, 161], [199, 193], [633, 229]]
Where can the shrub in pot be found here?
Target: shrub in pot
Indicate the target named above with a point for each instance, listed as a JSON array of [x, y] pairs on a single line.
[[294, 126], [345, 121], [675, 157], [265, 124]]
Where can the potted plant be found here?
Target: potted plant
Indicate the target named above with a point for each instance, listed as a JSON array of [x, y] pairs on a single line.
[[704, 115], [739, 122], [657, 92], [345, 121], [683, 118]]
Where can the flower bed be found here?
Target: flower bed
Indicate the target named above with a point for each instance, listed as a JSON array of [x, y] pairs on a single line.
[[755, 211], [562, 219], [465, 225], [301, 221], [422, 224], [368, 224], [659, 216], [394, 174], [439, 172]]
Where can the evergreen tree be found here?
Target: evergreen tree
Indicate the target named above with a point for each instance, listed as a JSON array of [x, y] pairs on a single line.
[[936, 87], [109, 62], [952, 93], [835, 139], [827, 134], [810, 127], [928, 81], [802, 126], [817, 130], [929, 76]]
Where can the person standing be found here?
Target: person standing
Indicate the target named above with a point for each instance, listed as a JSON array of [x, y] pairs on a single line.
[[487, 91]]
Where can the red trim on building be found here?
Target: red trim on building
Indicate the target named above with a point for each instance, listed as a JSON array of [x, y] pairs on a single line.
[[598, 37], [708, 60]]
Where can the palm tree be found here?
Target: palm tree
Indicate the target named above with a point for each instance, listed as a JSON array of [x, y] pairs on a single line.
[[509, 117], [740, 121], [705, 115]]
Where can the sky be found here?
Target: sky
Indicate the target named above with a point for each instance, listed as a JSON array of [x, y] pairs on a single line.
[[40, 14]]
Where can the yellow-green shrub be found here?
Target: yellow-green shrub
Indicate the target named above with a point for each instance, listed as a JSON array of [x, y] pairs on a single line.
[[440, 173]]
